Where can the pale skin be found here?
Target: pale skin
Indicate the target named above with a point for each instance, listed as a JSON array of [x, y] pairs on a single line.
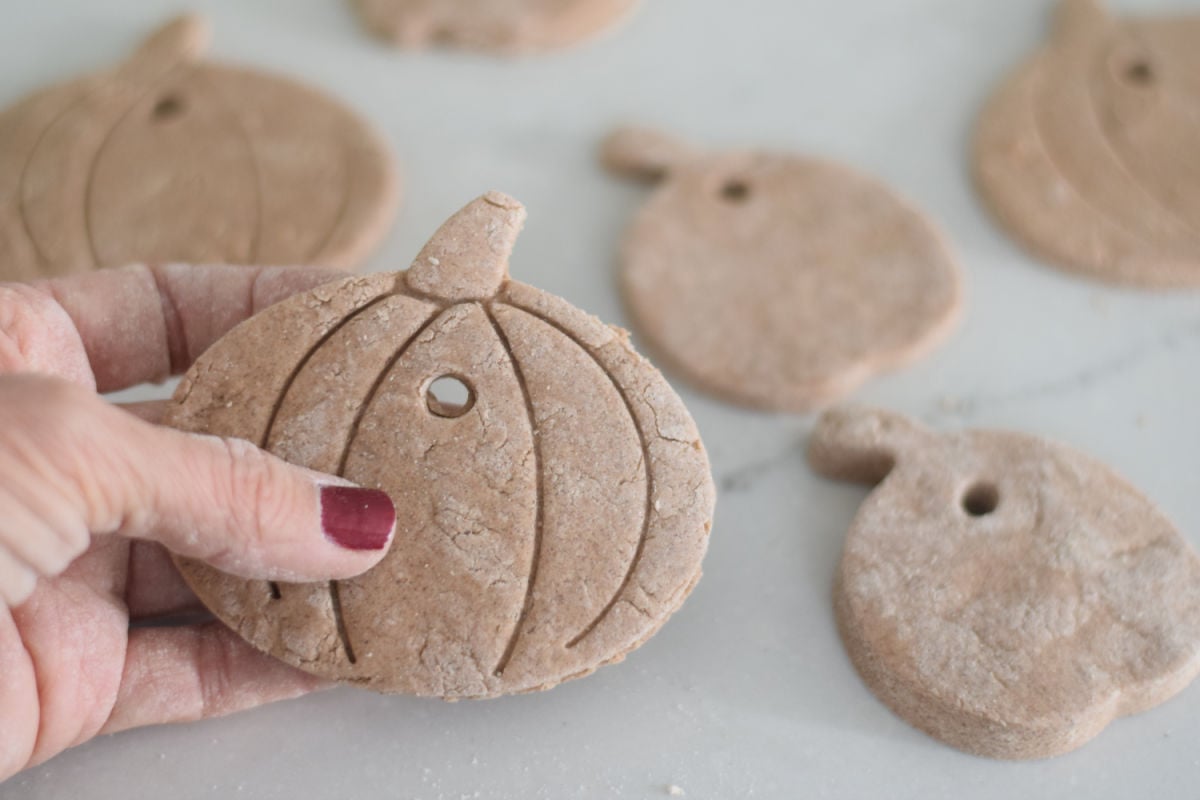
[[92, 498]]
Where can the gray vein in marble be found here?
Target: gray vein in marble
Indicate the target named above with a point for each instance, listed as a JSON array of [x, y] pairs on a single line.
[[1170, 340], [744, 477]]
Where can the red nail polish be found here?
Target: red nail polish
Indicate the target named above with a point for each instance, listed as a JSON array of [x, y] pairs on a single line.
[[357, 519]]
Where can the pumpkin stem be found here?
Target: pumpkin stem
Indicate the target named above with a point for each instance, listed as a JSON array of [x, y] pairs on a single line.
[[860, 444], [643, 154], [182, 40], [467, 259]]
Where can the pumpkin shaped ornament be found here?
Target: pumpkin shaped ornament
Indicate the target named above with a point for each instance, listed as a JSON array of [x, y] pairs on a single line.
[[1003, 593], [777, 281], [170, 158], [1087, 154], [549, 521], [508, 27]]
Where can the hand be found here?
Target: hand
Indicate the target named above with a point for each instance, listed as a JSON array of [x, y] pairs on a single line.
[[92, 497]]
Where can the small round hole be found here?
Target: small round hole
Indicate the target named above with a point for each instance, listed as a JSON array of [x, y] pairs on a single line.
[[449, 396], [1139, 72], [735, 191], [168, 107], [981, 500]]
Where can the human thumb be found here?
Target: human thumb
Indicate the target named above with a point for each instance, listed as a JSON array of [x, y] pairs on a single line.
[[72, 466]]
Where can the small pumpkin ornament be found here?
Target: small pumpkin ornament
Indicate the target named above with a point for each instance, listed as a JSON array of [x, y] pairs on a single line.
[[1003, 593], [777, 281], [1087, 153], [507, 27], [167, 157], [549, 521]]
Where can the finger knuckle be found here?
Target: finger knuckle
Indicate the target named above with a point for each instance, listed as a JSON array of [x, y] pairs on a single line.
[[23, 311], [216, 662], [259, 496]]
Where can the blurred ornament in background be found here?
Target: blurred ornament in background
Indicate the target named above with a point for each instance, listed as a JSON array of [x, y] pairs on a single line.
[[170, 158], [508, 27], [1090, 153], [777, 281]]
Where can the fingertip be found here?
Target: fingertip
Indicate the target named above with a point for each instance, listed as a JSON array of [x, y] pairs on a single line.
[[248, 513], [357, 519], [17, 580], [37, 334], [347, 529]]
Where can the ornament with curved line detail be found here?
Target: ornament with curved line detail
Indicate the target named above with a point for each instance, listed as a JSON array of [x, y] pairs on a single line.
[[1087, 153], [547, 524], [168, 157]]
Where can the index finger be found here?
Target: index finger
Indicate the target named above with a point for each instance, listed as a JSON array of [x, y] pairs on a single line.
[[144, 323]]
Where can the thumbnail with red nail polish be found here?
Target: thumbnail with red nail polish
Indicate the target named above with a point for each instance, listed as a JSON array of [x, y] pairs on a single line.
[[357, 519]]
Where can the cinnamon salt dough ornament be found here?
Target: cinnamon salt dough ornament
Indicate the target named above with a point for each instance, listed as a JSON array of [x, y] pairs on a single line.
[[1087, 154], [550, 519], [170, 158], [777, 281], [1003, 593], [502, 26]]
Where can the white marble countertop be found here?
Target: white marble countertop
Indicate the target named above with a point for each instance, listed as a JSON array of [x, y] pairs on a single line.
[[747, 691]]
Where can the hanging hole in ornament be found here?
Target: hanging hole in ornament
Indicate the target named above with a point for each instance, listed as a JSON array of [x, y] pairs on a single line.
[[1140, 72], [735, 191], [981, 499], [168, 107], [449, 397]]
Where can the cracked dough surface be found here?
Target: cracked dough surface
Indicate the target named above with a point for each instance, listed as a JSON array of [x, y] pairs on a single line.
[[546, 527], [1004, 593]]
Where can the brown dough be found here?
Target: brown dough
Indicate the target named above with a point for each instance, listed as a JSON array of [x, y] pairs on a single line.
[[777, 281], [502, 26], [168, 158], [1088, 153], [548, 524], [1003, 593]]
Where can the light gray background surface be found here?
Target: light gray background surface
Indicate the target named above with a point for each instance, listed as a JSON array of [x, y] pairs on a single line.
[[747, 692]]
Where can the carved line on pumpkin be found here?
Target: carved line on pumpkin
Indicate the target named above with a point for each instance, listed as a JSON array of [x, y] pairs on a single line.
[[314, 255], [21, 180], [1134, 174], [1165, 207], [90, 182], [334, 595], [273, 586], [236, 127], [378, 384], [339, 620], [1121, 166], [539, 513], [426, 297], [649, 506], [1062, 174]]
